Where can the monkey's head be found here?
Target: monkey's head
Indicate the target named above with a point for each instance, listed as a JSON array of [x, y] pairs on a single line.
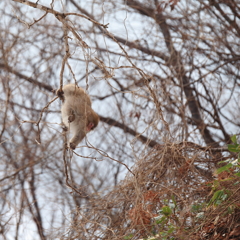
[[93, 120]]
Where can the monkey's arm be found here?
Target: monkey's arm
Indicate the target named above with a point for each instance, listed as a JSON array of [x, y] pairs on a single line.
[[79, 132]]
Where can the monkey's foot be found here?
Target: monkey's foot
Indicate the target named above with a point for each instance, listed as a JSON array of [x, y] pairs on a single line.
[[64, 128], [71, 118], [60, 94]]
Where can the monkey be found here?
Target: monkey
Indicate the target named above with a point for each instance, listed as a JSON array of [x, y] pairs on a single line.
[[77, 113]]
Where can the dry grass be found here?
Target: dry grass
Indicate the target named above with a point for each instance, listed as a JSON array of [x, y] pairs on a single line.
[[177, 174]]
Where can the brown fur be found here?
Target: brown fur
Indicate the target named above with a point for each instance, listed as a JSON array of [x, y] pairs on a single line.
[[77, 113]]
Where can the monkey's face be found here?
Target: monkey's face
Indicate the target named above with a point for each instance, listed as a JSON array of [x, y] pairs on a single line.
[[90, 126], [92, 121]]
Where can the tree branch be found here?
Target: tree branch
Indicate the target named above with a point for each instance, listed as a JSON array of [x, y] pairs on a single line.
[[29, 79], [176, 62], [143, 139]]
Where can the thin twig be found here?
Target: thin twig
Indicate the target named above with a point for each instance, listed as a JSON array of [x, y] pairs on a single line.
[[41, 114]]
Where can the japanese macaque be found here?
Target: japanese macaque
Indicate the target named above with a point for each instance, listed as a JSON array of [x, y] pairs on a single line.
[[77, 113]]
